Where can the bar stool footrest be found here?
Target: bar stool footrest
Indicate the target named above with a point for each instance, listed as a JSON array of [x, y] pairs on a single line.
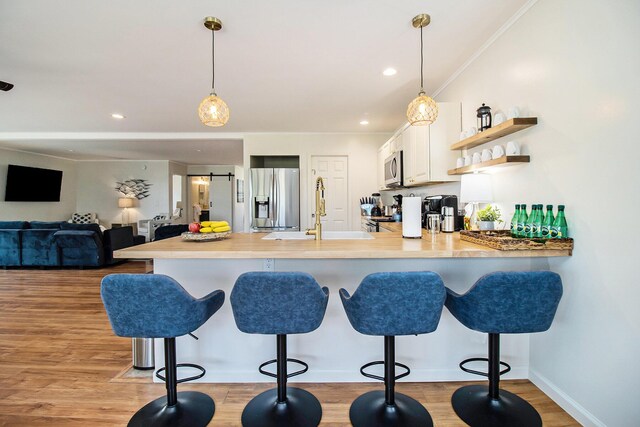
[[482, 359], [380, 362], [183, 365], [293, 374]]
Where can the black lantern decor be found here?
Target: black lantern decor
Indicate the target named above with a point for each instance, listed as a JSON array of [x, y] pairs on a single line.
[[484, 118]]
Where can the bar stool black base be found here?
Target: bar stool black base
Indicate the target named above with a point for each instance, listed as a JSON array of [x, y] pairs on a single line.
[[371, 410], [194, 409], [301, 409], [474, 406]]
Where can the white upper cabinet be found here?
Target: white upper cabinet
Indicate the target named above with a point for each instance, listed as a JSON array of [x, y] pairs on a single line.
[[408, 136], [426, 149], [383, 152], [441, 133]]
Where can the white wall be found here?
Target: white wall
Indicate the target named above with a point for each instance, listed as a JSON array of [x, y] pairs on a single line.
[[362, 150], [38, 211], [96, 188], [178, 169], [575, 65]]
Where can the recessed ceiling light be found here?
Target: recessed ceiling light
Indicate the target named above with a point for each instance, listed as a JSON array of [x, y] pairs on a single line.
[[70, 151], [389, 72], [199, 151], [117, 116], [364, 122]]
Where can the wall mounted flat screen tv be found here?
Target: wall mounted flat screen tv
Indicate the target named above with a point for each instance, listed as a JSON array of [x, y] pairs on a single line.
[[26, 184]]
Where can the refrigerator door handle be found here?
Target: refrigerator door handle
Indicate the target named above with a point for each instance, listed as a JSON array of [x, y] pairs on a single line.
[[276, 199]]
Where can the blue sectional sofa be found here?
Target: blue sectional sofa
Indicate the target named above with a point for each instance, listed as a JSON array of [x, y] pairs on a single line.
[[60, 244], [10, 245]]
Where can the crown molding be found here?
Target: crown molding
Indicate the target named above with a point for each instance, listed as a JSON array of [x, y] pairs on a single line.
[[516, 16]]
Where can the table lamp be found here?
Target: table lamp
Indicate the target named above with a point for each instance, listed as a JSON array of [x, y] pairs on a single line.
[[125, 202], [475, 188]]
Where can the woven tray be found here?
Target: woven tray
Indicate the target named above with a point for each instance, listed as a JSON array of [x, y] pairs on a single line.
[[203, 237], [502, 240]]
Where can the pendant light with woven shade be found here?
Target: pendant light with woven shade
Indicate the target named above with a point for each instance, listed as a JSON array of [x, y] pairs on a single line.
[[423, 110], [213, 111]]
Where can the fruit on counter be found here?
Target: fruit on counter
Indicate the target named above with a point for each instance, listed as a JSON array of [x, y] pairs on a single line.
[[214, 224], [215, 230], [209, 227]]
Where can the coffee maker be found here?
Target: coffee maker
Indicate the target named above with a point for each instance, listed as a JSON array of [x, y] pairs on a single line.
[[447, 207]]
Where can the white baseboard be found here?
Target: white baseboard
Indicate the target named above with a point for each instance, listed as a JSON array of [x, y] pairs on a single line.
[[572, 407]]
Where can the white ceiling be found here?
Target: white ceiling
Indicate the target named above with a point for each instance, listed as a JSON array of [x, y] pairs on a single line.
[[281, 65], [187, 151]]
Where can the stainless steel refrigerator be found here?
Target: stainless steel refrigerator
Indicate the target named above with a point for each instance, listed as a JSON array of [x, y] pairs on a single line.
[[275, 199]]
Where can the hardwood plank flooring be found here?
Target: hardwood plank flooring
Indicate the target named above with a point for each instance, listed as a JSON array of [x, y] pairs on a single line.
[[60, 362]]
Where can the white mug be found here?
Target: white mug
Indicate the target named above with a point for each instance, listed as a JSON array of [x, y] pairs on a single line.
[[467, 160], [460, 162], [499, 118], [472, 131], [513, 112], [463, 135], [497, 152], [477, 158], [513, 148], [486, 155]]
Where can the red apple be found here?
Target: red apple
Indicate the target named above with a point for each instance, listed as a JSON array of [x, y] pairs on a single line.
[[194, 227]]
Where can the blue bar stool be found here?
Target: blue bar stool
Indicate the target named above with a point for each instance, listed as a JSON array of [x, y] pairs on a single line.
[[280, 304], [502, 303], [156, 306], [391, 304]]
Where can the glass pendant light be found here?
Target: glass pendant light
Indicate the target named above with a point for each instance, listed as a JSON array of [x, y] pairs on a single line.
[[423, 110], [213, 111]]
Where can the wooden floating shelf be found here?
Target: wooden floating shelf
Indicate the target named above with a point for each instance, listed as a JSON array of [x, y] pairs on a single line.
[[501, 161], [503, 129]]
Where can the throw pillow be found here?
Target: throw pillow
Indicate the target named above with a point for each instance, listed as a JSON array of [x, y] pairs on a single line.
[[86, 218]]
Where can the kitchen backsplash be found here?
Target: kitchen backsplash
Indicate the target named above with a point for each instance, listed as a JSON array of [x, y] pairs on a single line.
[[430, 190]]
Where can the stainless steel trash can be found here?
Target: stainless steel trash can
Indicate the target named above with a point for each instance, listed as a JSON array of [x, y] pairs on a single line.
[[143, 353]]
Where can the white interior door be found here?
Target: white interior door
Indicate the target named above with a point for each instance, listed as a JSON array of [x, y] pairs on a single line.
[[221, 199], [334, 170]]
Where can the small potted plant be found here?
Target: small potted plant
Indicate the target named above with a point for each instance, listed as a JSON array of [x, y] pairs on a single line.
[[487, 218]]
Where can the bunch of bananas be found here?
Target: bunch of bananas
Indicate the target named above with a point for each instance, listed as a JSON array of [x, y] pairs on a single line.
[[214, 226]]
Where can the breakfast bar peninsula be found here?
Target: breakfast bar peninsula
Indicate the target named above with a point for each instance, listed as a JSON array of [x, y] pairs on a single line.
[[335, 352]]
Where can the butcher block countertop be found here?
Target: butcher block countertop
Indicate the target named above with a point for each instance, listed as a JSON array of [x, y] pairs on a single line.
[[383, 245]]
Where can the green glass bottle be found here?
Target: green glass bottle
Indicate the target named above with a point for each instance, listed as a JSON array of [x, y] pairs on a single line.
[[522, 219], [514, 222], [528, 225], [536, 229], [547, 223], [560, 230]]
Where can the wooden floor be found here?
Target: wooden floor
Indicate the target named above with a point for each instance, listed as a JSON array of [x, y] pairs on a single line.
[[60, 363]]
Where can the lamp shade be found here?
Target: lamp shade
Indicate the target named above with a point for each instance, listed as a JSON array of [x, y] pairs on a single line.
[[179, 205], [125, 202], [213, 111], [476, 188], [422, 111]]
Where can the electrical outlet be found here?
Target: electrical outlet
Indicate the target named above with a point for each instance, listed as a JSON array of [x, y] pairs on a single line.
[[268, 264]]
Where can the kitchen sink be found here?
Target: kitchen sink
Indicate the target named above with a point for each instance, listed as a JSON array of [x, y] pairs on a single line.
[[326, 235]]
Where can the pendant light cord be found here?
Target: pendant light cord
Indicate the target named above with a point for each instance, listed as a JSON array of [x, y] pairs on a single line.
[[421, 62], [213, 61]]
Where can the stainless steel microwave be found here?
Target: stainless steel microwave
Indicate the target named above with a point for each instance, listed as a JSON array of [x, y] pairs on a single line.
[[393, 170]]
